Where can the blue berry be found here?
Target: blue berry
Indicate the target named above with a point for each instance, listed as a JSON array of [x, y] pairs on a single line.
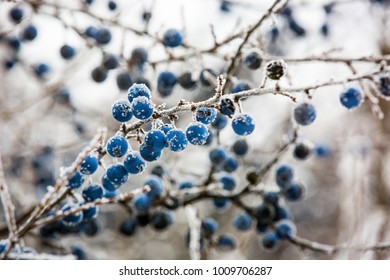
[[296, 28], [240, 147], [301, 151], [91, 32], [270, 241], [91, 227], [221, 202], [143, 219], [3, 246], [156, 186], [166, 81], [294, 192], [142, 108], [110, 61], [351, 98], [209, 226], [92, 193], [228, 182], [177, 140], [103, 36], [305, 114], [209, 139], [186, 185], [112, 5], [161, 220], [75, 181], [217, 155], [243, 124], [117, 146], [220, 122], [73, 219], [265, 213], [139, 56], [325, 29], [271, 197], [138, 90], [172, 38], [128, 227], [226, 242], [67, 52], [205, 115], [79, 253], [99, 74], [117, 174], [14, 43], [16, 14], [110, 194], [241, 86], [41, 69], [230, 164], [285, 229], [148, 153], [197, 133], [29, 33], [90, 213], [166, 128], [108, 185], [384, 85], [284, 176], [124, 80], [207, 76], [142, 203], [156, 139], [89, 165], [134, 163], [253, 60], [121, 111], [322, 151], [227, 107], [281, 213], [243, 222], [185, 81]]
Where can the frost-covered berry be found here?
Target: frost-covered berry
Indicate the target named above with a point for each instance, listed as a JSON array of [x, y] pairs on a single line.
[[89, 165], [197, 133], [156, 139], [166, 81], [156, 186], [242, 222], [121, 111], [117, 174], [75, 181], [92, 192], [138, 90], [103, 36], [161, 220], [166, 127], [285, 229], [270, 241], [185, 81], [305, 114], [172, 38], [209, 226], [67, 52], [384, 85], [284, 175], [205, 115], [230, 164], [16, 14], [128, 227], [142, 108], [226, 242], [117, 146], [253, 60], [142, 203], [124, 80], [139, 56], [220, 122], [107, 184], [351, 97], [29, 33], [148, 153], [243, 124], [227, 107], [207, 77], [99, 74], [294, 192], [302, 151], [217, 155], [276, 69], [228, 182], [240, 147], [134, 163], [177, 140], [72, 219]]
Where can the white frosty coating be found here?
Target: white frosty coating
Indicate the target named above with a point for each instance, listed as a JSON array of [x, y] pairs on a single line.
[[197, 133], [142, 107], [243, 124], [138, 90]]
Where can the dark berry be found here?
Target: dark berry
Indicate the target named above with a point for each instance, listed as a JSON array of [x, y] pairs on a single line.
[[117, 174], [185, 81], [217, 155], [351, 98], [227, 107], [276, 69], [226, 242], [75, 181], [67, 52], [92, 193], [166, 82], [139, 56], [99, 74], [207, 77], [197, 133], [220, 122], [103, 36], [16, 14], [301, 151], [305, 114], [142, 108], [177, 140], [284, 175], [121, 111], [294, 192], [270, 241], [29, 33], [89, 165], [242, 222], [205, 115], [172, 38], [134, 163], [142, 203], [243, 124], [124, 80], [128, 227], [110, 61], [240, 147], [253, 60], [117, 146], [285, 229], [161, 220]]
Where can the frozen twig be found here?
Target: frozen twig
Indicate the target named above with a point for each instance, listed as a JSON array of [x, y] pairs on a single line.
[[194, 238]]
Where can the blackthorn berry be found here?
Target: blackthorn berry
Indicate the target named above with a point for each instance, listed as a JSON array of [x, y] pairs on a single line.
[[75, 181], [185, 81], [217, 155], [226, 242], [177, 140], [294, 192], [103, 36], [197, 133], [172, 38], [117, 174], [276, 69], [121, 111], [142, 107], [161, 220], [242, 222], [128, 227], [284, 175], [139, 56], [301, 151], [156, 186], [124, 80], [226, 107], [207, 77], [270, 241], [138, 90], [240, 147], [16, 14], [351, 97], [142, 203], [305, 114], [72, 219], [253, 60], [243, 124], [285, 229], [148, 153], [99, 74], [89, 165], [220, 122], [134, 163], [205, 115], [67, 52], [92, 193], [117, 146], [166, 81], [29, 33]]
